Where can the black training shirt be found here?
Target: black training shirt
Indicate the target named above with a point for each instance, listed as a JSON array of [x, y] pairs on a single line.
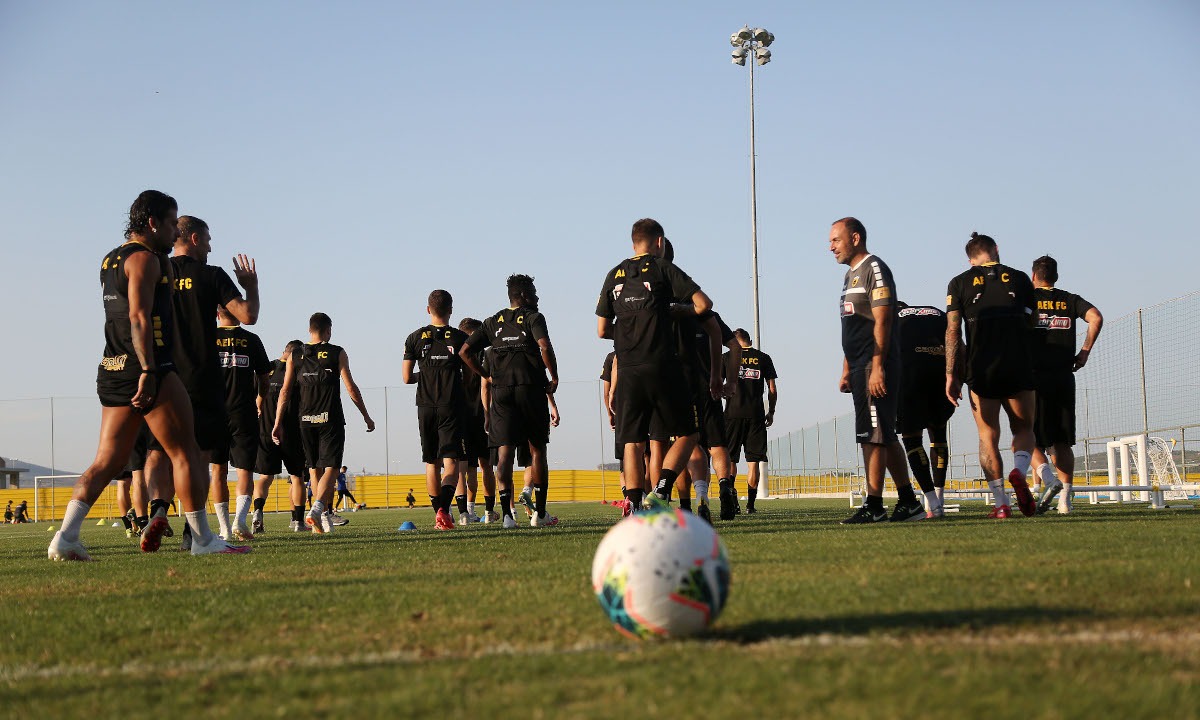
[[868, 285], [516, 357], [317, 374], [996, 302], [120, 360], [199, 289], [1054, 335], [243, 358], [637, 294], [435, 350], [922, 336], [752, 375]]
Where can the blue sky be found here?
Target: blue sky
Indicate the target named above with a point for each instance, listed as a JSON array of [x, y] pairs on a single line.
[[367, 153]]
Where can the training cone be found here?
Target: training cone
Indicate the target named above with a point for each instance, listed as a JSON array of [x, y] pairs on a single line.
[[102, 523], [50, 529], [406, 525]]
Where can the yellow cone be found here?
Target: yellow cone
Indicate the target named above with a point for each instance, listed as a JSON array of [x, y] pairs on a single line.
[[50, 529], [103, 522]]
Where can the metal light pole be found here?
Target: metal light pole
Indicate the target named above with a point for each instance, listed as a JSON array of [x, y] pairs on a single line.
[[753, 43], [749, 43]]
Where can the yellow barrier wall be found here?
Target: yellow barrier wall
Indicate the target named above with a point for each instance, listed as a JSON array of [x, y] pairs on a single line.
[[389, 491]]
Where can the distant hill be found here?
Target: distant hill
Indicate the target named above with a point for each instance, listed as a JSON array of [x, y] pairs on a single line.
[[32, 470]]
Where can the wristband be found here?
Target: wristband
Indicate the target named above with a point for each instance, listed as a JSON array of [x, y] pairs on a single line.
[[151, 371]]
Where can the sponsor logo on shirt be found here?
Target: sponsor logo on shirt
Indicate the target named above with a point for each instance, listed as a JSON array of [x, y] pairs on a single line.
[[847, 308], [233, 360], [114, 364], [315, 419], [1053, 322]]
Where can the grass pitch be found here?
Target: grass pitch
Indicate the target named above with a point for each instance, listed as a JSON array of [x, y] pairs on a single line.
[[1092, 615]]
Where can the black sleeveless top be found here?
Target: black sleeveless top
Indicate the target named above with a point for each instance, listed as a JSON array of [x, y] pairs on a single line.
[[120, 361], [318, 377]]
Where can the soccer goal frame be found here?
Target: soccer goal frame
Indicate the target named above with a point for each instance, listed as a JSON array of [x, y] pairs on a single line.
[[38, 481]]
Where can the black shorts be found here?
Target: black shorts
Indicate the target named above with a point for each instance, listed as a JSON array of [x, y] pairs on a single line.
[[923, 405], [1054, 418], [118, 389], [524, 456], [712, 423], [874, 418], [654, 402], [748, 433], [137, 456], [1000, 378], [323, 445], [441, 433], [520, 414], [475, 438], [242, 449], [272, 459], [211, 426]]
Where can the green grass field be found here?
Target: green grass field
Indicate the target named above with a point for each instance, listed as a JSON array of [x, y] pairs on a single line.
[[1092, 615]]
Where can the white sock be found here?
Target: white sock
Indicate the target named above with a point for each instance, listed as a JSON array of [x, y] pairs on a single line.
[[243, 508], [318, 507], [701, 488], [470, 508], [1064, 497], [1021, 461], [197, 520], [73, 518], [222, 516], [931, 501], [941, 495], [1046, 474], [998, 493]]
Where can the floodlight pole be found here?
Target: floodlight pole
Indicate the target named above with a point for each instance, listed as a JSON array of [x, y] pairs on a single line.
[[754, 209]]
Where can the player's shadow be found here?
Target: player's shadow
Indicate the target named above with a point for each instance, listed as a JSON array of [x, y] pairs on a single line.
[[972, 620]]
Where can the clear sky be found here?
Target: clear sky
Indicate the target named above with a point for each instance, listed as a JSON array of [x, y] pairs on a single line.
[[367, 153]]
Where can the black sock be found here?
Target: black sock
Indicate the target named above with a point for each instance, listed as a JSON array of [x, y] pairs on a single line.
[[919, 462], [298, 513], [751, 493], [156, 505], [142, 521], [635, 498], [447, 497], [128, 524], [940, 460], [187, 530], [259, 503], [435, 501], [875, 503], [685, 503], [624, 493], [461, 502], [506, 503], [539, 497], [906, 494], [666, 483], [726, 483], [489, 502]]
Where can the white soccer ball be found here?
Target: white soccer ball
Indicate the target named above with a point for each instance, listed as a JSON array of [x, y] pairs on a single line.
[[661, 573]]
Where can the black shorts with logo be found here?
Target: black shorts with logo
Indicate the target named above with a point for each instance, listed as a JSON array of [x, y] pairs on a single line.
[[748, 433], [923, 404], [242, 449], [519, 414], [646, 393], [1054, 418], [118, 389], [272, 459], [874, 418], [441, 433], [323, 445]]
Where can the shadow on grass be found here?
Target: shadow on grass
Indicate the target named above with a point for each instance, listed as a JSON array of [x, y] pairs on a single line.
[[979, 619]]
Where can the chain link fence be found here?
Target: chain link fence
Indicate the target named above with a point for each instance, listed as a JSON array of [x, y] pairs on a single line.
[[1139, 379]]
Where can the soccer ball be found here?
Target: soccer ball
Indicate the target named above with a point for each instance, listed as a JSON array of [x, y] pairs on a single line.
[[662, 573]]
